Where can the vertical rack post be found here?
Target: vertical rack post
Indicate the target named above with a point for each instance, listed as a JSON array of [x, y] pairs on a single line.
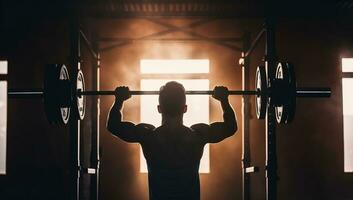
[[270, 137], [95, 126], [245, 119], [74, 123]]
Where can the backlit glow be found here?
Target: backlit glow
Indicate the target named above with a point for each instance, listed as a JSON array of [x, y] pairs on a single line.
[[347, 100], [198, 111], [198, 105], [3, 118], [3, 67], [181, 66], [347, 86], [347, 64]]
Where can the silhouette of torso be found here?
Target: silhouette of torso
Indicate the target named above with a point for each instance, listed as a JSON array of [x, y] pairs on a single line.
[[173, 157]]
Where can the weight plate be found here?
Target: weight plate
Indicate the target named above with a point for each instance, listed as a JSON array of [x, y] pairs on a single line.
[[293, 93], [286, 89], [80, 99], [281, 108], [56, 91], [261, 85]]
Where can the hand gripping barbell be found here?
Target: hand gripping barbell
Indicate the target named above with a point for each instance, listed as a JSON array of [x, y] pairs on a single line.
[[60, 99]]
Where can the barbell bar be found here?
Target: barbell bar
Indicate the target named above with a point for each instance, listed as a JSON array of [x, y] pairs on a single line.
[[60, 98], [301, 92]]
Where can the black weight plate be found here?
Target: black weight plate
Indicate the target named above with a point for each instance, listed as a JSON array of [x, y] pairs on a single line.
[[80, 106], [281, 109], [292, 95], [55, 74], [261, 85], [285, 108]]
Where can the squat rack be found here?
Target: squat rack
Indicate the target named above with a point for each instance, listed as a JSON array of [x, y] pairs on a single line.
[[268, 31], [77, 35]]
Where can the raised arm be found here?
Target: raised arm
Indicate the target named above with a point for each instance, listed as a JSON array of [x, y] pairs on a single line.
[[126, 131], [218, 131]]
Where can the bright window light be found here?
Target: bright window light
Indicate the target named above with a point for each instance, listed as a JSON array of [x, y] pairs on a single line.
[[3, 123], [347, 86], [181, 66], [3, 118], [347, 64], [3, 67]]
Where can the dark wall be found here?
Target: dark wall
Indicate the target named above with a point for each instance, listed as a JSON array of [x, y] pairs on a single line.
[[39, 155], [311, 148]]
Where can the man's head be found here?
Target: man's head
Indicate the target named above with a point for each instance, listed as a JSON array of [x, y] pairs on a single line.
[[172, 99]]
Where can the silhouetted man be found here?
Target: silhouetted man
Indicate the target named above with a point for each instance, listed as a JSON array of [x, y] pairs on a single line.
[[172, 151]]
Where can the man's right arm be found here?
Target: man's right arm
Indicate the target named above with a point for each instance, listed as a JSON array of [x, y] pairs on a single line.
[[126, 131], [218, 131]]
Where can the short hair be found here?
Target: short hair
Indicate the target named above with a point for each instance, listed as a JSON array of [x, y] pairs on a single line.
[[172, 98]]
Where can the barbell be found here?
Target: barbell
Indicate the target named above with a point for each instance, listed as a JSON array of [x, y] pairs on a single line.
[[61, 98]]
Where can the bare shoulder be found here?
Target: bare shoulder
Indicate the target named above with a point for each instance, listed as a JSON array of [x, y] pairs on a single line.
[[145, 127], [200, 127]]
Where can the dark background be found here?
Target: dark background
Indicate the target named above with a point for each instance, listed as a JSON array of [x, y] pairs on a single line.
[[313, 36]]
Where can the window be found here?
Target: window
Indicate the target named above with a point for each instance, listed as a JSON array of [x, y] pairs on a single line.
[[3, 116], [347, 88], [156, 73]]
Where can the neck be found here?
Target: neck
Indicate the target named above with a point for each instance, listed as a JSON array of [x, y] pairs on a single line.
[[177, 120]]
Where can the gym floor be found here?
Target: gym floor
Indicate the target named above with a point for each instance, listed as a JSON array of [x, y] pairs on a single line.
[[39, 160]]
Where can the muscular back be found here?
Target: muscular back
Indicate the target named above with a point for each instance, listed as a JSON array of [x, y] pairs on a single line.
[[173, 156], [173, 148], [173, 151]]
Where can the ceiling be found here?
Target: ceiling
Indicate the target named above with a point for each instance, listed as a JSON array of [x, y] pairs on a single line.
[[180, 8], [215, 8]]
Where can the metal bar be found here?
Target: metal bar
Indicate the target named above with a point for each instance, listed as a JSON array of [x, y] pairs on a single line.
[[347, 74], [182, 28], [301, 92], [313, 92], [25, 94], [170, 29], [255, 42], [190, 92], [196, 35], [253, 169], [270, 124], [168, 39], [245, 122], [88, 170], [74, 124], [3, 77], [95, 155], [88, 44]]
